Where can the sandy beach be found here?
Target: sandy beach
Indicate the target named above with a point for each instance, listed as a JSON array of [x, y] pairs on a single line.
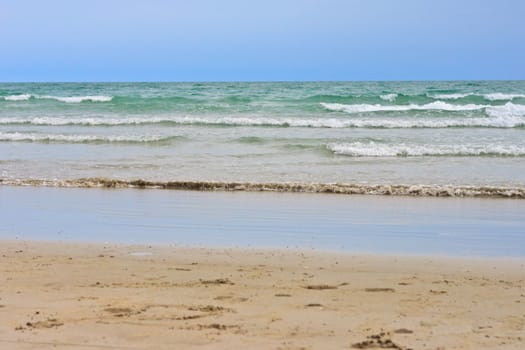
[[262, 175], [93, 296]]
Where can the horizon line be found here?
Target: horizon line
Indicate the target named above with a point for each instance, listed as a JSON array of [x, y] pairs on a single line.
[[247, 81]]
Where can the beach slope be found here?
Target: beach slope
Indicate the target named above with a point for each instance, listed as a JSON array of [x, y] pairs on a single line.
[[88, 296]]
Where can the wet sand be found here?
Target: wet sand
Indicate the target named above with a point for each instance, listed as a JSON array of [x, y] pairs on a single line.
[[374, 224], [92, 296]]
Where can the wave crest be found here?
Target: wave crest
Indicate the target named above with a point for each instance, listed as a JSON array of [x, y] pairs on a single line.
[[388, 97], [373, 149], [66, 99], [499, 118], [365, 108], [507, 110], [500, 96], [77, 99], [451, 96], [23, 97], [61, 138]]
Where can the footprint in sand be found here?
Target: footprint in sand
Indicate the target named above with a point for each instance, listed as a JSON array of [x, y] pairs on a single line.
[[49, 323]]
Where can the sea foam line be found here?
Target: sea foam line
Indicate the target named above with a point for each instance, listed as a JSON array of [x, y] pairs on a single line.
[[389, 97], [66, 99], [361, 189], [433, 106], [496, 96], [506, 110], [451, 96], [78, 99], [35, 137], [498, 118], [23, 97], [373, 149]]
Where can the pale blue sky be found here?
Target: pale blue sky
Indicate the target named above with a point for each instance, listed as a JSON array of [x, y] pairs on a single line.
[[225, 40]]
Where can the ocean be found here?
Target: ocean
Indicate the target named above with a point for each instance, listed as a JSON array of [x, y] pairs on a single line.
[[463, 138]]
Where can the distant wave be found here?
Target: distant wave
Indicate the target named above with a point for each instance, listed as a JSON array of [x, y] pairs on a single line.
[[421, 97], [239, 99], [61, 138], [373, 149], [349, 189], [219, 121], [391, 97], [451, 96], [388, 97], [23, 97], [497, 96], [498, 118], [508, 110], [66, 99], [78, 99], [246, 99], [364, 108]]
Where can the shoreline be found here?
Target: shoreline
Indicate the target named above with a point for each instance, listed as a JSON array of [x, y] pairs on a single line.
[[142, 297], [161, 249], [402, 190]]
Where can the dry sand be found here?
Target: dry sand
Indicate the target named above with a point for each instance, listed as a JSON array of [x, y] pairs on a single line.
[[86, 296]]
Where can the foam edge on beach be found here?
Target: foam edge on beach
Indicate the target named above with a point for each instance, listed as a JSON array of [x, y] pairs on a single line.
[[335, 188]]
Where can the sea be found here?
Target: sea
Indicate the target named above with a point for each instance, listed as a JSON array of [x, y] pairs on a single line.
[[460, 133], [385, 144], [459, 138]]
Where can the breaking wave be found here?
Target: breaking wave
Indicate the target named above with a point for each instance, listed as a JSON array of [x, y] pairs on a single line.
[[497, 96], [364, 108], [389, 97], [504, 111], [61, 138], [373, 149], [78, 99], [66, 99], [451, 96], [498, 118], [23, 97]]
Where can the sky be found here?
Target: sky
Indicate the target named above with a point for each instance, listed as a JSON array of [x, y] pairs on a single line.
[[266, 40]]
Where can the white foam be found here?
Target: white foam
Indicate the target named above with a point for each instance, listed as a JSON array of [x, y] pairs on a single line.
[[233, 121], [508, 116], [507, 110], [500, 96], [66, 99], [90, 121], [364, 108], [451, 96], [23, 97], [389, 97], [35, 137], [340, 188], [373, 149], [496, 96], [77, 99]]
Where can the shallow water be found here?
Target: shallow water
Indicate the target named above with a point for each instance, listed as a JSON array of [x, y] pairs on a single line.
[[373, 224], [464, 133]]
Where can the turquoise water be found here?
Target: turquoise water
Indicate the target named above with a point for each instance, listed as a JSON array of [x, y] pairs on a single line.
[[459, 133]]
